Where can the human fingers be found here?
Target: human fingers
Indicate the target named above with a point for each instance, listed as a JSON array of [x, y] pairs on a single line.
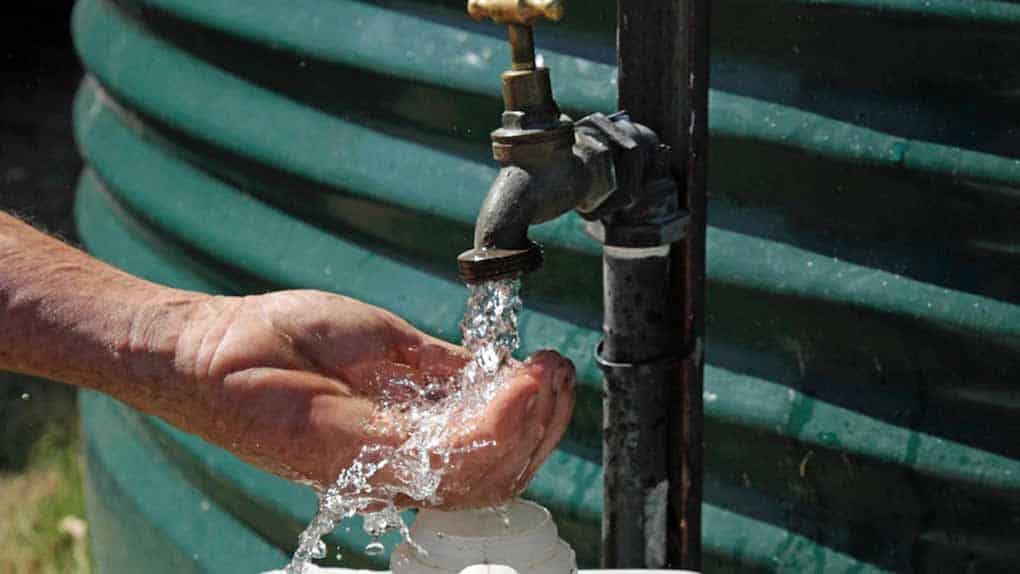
[[511, 428], [525, 399], [560, 419], [436, 357], [555, 374]]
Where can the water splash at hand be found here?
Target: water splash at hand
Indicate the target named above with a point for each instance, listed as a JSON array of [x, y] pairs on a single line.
[[489, 331]]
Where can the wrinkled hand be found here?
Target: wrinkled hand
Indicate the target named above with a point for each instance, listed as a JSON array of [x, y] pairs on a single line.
[[292, 382]]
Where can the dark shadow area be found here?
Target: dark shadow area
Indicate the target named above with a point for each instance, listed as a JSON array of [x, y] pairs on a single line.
[[38, 161], [27, 407], [931, 78], [937, 231], [906, 373], [38, 167], [814, 487], [886, 545], [817, 493]]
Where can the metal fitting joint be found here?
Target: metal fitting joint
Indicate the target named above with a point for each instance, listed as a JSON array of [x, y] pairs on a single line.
[[643, 209]]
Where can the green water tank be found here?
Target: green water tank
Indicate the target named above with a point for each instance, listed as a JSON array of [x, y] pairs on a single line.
[[862, 393]]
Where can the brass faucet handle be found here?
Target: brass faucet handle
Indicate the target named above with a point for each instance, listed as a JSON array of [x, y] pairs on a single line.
[[525, 12]]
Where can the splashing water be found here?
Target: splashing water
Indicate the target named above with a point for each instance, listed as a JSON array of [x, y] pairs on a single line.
[[489, 331]]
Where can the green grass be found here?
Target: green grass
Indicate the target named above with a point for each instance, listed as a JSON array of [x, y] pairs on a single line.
[[42, 528]]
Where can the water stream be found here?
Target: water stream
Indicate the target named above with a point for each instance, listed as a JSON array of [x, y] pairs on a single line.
[[436, 414]]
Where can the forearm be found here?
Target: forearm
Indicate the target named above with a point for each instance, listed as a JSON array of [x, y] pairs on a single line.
[[69, 317]]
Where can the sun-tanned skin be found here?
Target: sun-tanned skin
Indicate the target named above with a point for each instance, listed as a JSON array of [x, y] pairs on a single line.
[[288, 381]]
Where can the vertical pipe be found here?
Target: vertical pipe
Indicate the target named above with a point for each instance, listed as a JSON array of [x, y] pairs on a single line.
[[636, 336], [663, 84]]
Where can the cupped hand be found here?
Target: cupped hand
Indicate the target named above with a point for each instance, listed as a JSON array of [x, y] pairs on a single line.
[[296, 382]]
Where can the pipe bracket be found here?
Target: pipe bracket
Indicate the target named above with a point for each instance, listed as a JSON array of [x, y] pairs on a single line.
[[645, 369]]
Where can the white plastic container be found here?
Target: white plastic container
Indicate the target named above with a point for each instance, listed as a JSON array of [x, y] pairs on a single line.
[[523, 538]]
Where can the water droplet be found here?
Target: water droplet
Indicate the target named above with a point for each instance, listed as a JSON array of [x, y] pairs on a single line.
[[504, 515], [25, 396], [339, 556], [375, 548]]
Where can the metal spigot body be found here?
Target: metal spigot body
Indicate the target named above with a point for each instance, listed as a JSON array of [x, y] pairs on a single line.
[[550, 165]]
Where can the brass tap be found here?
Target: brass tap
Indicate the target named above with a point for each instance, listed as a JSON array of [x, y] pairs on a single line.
[[519, 15], [525, 12]]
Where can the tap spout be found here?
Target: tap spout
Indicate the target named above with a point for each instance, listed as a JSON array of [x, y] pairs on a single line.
[[544, 174]]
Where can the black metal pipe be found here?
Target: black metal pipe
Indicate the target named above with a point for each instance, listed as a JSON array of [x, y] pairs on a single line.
[[639, 363], [662, 48]]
